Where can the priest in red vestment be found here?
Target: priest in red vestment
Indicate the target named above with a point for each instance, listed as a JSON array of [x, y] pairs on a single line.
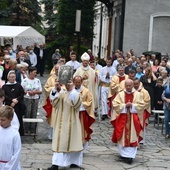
[[127, 116]]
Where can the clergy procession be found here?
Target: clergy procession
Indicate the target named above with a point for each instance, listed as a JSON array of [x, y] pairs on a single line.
[[100, 92], [122, 93]]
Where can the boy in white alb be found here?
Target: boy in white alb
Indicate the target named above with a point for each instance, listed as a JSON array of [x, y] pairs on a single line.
[[10, 146]]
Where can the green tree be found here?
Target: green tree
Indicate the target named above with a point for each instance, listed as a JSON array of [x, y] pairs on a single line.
[[50, 18], [60, 32], [4, 12], [21, 13], [66, 19]]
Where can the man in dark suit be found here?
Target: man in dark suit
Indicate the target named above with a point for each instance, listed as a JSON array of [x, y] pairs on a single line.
[[41, 59]]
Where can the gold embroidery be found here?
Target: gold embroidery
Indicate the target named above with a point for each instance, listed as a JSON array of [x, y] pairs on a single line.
[[70, 121], [128, 129], [59, 130]]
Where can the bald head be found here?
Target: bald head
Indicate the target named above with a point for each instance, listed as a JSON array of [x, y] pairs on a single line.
[[77, 81], [129, 85]]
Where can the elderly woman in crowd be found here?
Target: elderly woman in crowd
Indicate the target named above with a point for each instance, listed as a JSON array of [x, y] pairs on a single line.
[[33, 89], [164, 76], [14, 94]]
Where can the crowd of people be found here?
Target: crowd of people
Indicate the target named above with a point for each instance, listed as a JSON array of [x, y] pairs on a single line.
[[19, 96], [127, 88]]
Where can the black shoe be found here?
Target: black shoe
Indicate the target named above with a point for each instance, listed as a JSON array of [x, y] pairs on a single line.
[[122, 158], [96, 115], [128, 160], [103, 117], [74, 166], [53, 167]]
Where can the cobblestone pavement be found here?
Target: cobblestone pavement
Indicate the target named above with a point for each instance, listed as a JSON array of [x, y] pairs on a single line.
[[102, 153]]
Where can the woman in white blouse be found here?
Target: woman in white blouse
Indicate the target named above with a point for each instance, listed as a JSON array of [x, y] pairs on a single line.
[[33, 89]]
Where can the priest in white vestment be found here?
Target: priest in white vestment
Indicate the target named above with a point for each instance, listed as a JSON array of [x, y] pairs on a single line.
[[67, 142]]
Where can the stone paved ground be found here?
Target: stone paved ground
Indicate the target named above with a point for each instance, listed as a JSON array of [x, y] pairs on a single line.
[[102, 153]]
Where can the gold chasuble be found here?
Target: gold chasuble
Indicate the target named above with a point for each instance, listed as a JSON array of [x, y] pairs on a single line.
[[115, 88], [147, 110], [90, 83], [115, 84], [127, 126], [67, 132]]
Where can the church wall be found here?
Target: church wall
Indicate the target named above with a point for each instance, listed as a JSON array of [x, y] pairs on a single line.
[[137, 32]]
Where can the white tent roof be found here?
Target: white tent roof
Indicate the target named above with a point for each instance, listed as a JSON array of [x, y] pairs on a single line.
[[13, 31], [22, 35]]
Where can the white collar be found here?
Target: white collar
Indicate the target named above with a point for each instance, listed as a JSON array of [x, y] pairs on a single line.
[[129, 92], [85, 68], [11, 83]]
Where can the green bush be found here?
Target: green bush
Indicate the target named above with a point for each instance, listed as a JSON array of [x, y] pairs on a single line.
[[62, 45]]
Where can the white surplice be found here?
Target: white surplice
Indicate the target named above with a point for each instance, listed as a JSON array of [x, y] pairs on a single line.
[[15, 122], [10, 149], [75, 64]]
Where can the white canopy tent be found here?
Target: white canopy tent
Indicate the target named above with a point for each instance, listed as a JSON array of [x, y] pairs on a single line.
[[20, 35]]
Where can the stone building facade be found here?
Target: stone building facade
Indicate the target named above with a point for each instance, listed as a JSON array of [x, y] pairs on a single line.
[[143, 25]]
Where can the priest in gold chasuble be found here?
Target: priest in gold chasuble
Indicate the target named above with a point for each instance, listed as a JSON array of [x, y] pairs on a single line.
[[89, 78], [67, 142], [128, 107]]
